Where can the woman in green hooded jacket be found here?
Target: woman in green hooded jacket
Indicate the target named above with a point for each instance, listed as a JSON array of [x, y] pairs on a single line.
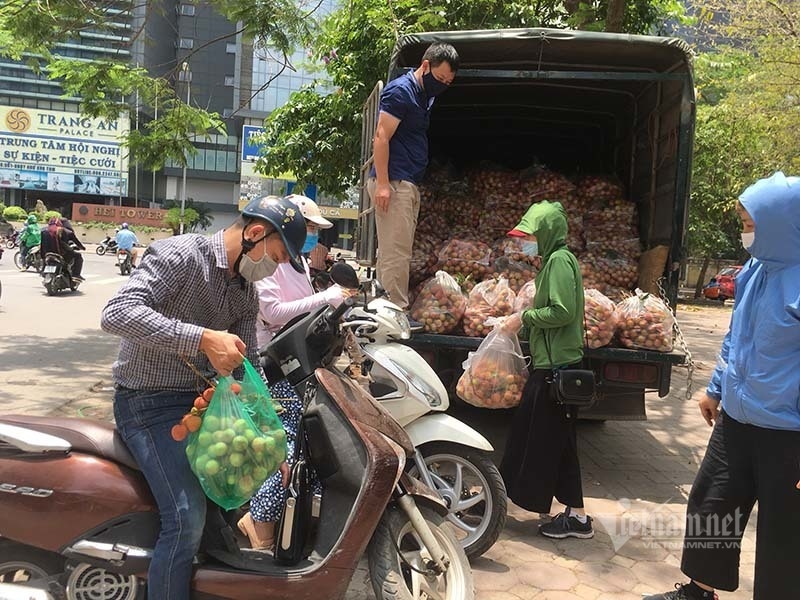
[[541, 456]]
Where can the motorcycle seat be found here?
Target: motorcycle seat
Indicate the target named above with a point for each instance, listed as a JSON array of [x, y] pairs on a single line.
[[84, 435]]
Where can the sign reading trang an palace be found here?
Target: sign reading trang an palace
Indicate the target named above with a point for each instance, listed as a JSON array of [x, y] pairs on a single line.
[[62, 152]]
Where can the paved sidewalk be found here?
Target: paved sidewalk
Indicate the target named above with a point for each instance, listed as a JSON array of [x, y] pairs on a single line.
[[637, 476]]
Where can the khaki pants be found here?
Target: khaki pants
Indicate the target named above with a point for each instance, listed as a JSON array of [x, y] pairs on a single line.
[[396, 237]]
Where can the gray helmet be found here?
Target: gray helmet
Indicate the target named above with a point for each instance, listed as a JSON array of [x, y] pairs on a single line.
[[288, 221]]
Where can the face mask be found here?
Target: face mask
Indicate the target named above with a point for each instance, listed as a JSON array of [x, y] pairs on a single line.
[[256, 270], [432, 86], [748, 239], [311, 242], [530, 248]]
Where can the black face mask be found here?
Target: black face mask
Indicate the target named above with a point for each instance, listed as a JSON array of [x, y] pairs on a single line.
[[432, 86]]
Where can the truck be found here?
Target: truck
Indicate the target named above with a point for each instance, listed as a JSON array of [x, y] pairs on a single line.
[[623, 105]]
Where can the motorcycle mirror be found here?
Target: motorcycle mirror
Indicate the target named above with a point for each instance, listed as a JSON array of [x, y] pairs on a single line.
[[345, 276]]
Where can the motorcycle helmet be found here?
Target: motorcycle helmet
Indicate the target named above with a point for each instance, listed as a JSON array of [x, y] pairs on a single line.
[[310, 210], [285, 216], [32, 220], [124, 225]]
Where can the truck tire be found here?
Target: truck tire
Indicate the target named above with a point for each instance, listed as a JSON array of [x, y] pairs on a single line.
[[393, 579], [484, 511]]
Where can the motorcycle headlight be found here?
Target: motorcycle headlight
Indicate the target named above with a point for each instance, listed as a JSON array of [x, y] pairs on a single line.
[[402, 323]]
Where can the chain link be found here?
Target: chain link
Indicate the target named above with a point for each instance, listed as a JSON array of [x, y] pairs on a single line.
[[676, 329]]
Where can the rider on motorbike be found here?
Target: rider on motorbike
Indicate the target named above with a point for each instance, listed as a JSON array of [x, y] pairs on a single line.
[[56, 238], [126, 240], [190, 306], [31, 236]]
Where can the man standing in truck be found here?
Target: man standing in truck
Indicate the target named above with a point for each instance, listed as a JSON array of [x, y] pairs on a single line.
[[400, 150], [753, 400]]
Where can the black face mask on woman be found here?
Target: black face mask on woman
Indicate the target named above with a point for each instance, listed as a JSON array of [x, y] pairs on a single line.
[[432, 86]]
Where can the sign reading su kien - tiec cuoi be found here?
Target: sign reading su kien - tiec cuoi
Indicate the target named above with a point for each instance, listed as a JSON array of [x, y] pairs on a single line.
[[62, 152]]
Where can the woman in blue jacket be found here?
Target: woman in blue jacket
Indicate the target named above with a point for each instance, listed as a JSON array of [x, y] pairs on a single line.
[[753, 400]]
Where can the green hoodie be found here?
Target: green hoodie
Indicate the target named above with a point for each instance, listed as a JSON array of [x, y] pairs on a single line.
[[31, 234], [557, 311]]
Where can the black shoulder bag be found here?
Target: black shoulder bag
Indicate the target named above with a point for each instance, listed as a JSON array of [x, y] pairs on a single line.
[[574, 387], [295, 523]]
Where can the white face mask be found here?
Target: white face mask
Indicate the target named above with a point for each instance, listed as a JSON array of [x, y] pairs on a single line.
[[256, 270], [530, 248], [747, 239]]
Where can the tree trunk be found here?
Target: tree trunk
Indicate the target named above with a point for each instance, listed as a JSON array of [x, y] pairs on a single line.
[[701, 278], [615, 16]]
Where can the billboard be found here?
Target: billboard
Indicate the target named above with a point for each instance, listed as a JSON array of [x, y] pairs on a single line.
[[62, 152]]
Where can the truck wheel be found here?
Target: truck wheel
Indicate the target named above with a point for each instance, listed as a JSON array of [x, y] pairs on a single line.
[[20, 563], [473, 489], [396, 575]]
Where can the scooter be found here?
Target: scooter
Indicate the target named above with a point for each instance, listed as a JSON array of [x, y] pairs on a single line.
[[124, 262], [109, 244], [12, 240], [77, 518], [56, 275], [449, 456], [32, 259]]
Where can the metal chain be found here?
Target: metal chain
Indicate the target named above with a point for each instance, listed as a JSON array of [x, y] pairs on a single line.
[[676, 329]]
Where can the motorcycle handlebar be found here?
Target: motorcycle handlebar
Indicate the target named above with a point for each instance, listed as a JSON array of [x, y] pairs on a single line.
[[337, 314]]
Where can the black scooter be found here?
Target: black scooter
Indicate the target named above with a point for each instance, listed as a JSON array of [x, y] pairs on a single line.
[[56, 275]]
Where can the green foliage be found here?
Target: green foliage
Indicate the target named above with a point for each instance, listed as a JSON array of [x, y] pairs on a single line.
[[172, 219], [33, 30], [2, 208], [205, 218], [317, 135], [748, 116], [14, 213], [50, 214]]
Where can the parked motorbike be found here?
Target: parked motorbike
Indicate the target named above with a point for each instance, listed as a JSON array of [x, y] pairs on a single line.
[[449, 455], [32, 259], [56, 276], [124, 262], [50, 540], [109, 244]]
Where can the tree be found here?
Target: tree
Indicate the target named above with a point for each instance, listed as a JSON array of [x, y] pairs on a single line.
[[33, 30], [204, 217], [317, 134], [748, 114], [172, 219]]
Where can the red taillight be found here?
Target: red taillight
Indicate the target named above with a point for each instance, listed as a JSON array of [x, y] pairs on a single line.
[[631, 373]]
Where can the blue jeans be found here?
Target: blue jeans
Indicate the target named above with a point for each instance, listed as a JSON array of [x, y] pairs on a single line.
[[144, 419]]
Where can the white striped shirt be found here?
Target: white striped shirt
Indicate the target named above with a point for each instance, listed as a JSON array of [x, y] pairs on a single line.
[[182, 286]]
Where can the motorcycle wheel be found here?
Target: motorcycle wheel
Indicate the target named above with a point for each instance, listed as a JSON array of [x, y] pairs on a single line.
[[100, 250], [21, 564], [396, 575], [50, 285], [38, 264], [19, 263], [473, 489], [10, 244]]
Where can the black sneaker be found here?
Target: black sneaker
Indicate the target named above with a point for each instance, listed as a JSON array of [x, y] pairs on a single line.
[[684, 592], [565, 525]]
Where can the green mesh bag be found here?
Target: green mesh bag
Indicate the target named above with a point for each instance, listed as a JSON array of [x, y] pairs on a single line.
[[234, 452]]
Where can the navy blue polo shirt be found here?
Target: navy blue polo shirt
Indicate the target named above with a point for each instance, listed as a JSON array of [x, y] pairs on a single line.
[[404, 99]]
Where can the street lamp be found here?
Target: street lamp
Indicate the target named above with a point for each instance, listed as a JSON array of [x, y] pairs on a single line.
[[187, 78]]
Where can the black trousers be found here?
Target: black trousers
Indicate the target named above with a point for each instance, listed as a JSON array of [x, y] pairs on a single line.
[[75, 260], [541, 456], [745, 464]]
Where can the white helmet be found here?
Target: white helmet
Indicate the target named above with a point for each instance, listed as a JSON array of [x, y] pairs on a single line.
[[310, 210]]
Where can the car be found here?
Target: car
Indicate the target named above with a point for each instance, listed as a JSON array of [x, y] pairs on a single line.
[[723, 285]]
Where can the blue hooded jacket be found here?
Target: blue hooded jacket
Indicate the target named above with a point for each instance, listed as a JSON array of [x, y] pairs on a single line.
[[758, 375]]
